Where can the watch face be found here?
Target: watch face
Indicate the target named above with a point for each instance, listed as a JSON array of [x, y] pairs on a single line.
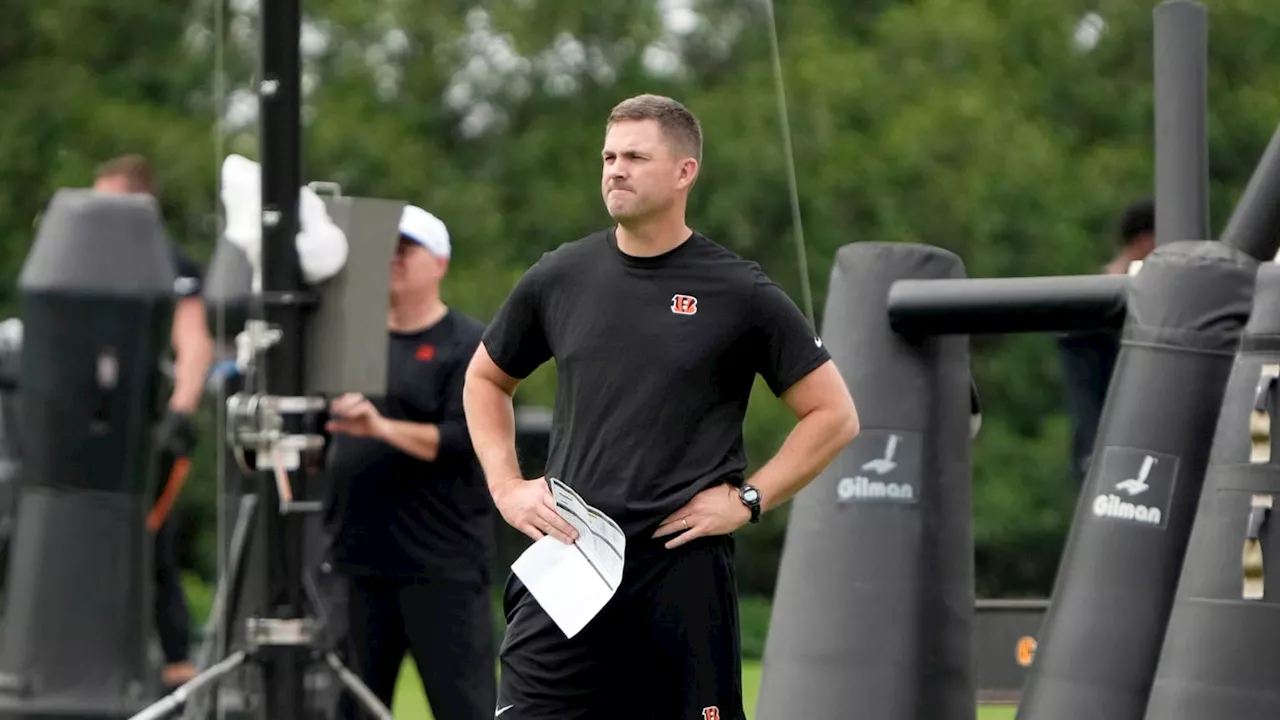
[[750, 495]]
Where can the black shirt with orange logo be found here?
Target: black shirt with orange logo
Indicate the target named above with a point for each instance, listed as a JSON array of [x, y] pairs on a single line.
[[393, 515], [655, 361]]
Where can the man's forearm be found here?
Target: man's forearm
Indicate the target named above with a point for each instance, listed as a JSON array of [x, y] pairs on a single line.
[[812, 445], [491, 419], [193, 354], [190, 370], [421, 440]]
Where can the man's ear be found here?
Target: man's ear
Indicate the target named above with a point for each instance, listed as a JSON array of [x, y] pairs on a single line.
[[688, 172]]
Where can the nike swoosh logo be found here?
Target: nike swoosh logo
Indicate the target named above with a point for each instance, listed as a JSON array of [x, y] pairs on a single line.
[[502, 710]]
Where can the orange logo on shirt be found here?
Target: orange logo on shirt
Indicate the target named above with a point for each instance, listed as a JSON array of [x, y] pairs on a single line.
[[711, 713], [426, 352], [684, 304]]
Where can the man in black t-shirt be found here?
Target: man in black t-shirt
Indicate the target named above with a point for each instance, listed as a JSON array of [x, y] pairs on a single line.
[[412, 521], [192, 356], [657, 334]]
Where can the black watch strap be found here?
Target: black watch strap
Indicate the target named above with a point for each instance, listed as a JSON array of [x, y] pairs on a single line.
[[750, 497]]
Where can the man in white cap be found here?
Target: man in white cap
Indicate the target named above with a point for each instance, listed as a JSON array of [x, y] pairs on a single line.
[[410, 514]]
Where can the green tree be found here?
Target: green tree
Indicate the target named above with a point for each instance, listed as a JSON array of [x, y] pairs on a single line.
[[982, 126]]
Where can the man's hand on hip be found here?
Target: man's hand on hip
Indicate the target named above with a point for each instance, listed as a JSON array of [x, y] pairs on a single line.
[[354, 414], [528, 506], [714, 511]]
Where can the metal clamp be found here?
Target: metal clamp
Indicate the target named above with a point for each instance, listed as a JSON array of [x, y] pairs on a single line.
[[1254, 583], [274, 632], [321, 186], [1264, 415], [256, 337], [256, 422]]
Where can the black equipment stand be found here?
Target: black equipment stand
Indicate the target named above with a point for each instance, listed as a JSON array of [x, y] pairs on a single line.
[[265, 639], [280, 639]]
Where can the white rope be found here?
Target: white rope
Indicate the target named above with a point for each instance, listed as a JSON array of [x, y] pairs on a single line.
[[220, 322], [796, 221]]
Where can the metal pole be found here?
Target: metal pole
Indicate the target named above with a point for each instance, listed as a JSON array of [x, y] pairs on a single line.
[[281, 536], [356, 686], [1181, 121], [178, 698], [981, 306]]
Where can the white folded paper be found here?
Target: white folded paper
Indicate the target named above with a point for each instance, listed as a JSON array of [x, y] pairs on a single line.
[[573, 582]]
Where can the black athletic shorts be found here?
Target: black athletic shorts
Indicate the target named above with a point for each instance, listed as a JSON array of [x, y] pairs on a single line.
[[666, 647]]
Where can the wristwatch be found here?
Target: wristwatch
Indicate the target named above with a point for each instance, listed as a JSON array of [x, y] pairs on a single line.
[[751, 498]]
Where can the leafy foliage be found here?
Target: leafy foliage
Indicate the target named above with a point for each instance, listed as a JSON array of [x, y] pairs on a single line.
[[982, 126]]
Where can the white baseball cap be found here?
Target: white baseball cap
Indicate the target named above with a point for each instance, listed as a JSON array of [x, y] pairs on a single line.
[[425, 229]]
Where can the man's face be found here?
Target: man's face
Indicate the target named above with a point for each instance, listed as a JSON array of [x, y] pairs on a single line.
[[1142, 245], [643, 175], [414, 268], [115, 184]]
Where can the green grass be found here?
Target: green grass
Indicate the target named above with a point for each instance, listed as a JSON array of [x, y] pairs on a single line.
[[411, 703]]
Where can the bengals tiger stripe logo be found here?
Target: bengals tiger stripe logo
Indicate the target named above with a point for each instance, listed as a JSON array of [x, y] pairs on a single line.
[[684, 304], [1026, 650]]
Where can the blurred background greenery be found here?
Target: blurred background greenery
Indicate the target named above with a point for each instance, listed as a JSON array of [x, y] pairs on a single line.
[[1010, 132]]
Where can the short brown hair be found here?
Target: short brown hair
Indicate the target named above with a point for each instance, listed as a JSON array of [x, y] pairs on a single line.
[[135, 170], [677, 123]]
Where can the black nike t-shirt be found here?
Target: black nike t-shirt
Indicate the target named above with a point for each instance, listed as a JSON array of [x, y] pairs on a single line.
[[655, 361], [392, 514]]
